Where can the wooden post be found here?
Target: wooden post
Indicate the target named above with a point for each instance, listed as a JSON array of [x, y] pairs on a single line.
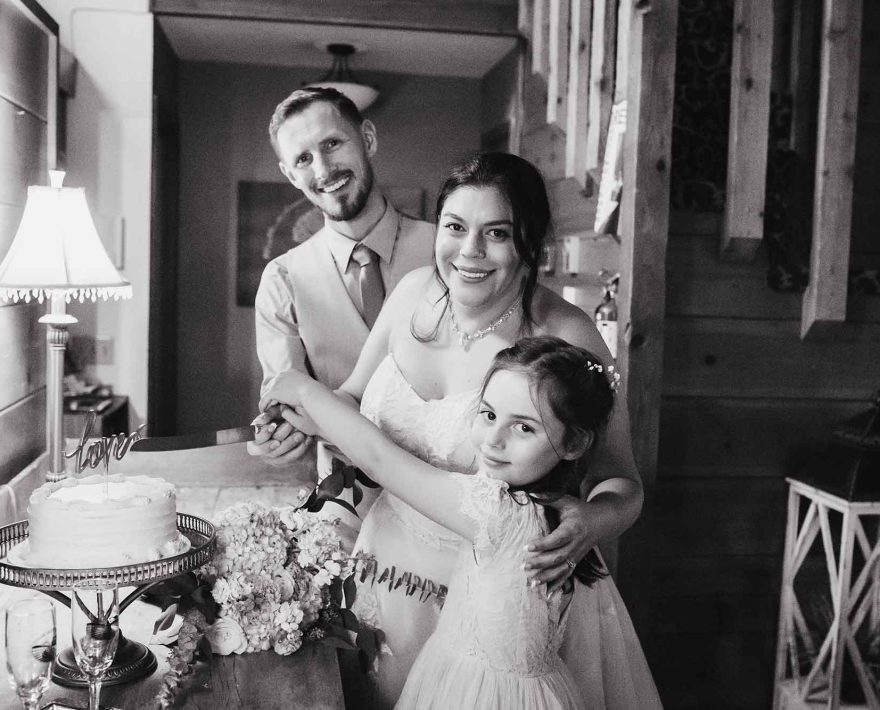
[[644, 226], [541, 37], [602, 61], [825, 298], [557, 82], [749, 128], [578, 90]]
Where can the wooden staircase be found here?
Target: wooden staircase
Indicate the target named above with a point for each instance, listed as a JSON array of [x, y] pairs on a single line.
[[567, 91]]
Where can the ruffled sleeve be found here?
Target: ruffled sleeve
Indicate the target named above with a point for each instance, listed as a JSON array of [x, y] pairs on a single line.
[[495, 513]]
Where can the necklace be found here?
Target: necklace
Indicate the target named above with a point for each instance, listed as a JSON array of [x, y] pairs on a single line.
[[465, 339]]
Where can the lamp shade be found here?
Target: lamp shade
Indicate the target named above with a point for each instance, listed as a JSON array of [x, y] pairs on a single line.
[[361, 95], [57, 249], [341, 78]]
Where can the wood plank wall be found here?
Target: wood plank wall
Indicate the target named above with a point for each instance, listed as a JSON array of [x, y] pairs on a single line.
[[24, 115], [745, 400]]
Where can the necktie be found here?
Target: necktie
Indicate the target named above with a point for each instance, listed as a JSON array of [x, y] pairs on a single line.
[[369, 280]]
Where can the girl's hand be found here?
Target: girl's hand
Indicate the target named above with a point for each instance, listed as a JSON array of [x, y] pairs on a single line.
[[284, 389], [551, 559], [299, 419]]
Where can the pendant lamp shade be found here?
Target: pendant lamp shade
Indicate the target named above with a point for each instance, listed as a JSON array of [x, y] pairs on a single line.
[[57, 249], [341, 78]]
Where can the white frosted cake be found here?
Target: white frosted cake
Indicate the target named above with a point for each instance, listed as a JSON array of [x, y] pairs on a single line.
[[101, 521]]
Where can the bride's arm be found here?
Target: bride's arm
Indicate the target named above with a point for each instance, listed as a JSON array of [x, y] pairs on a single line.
[[431, 491], [614, 501]]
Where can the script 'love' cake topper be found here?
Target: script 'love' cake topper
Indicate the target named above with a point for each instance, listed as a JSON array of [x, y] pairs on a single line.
[[100, 451]]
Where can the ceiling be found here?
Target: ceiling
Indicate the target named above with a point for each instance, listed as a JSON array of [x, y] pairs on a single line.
[[304, 45]]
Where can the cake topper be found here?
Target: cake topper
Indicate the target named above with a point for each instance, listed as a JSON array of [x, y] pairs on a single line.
[[101, 449]]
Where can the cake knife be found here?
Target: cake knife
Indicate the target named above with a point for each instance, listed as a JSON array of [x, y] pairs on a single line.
[[202, 439]]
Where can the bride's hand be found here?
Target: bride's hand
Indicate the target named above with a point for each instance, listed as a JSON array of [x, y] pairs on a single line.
[[551, 559]]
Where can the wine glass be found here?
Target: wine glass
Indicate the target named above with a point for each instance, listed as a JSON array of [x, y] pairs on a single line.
[[30, 648], [94, 608]]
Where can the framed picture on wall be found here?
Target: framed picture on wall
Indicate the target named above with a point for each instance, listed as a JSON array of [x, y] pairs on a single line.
[[274, 217]]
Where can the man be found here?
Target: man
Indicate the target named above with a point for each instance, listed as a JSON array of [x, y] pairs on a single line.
[[316, 303]]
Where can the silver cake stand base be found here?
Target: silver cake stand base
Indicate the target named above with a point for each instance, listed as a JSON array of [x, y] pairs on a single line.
[[133, 660]]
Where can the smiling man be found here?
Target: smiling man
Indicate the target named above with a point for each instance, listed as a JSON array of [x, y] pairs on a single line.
[[317, 302]]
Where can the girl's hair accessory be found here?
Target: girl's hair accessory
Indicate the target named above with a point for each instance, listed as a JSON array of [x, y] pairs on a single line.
[[613, 374]]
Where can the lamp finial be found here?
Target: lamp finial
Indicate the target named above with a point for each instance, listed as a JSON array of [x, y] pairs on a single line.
[[56, 178]]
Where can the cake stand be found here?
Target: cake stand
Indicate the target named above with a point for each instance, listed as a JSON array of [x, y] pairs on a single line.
[[133, 660]]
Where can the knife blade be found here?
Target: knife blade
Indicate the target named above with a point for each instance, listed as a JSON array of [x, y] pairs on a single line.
[[197, 440]]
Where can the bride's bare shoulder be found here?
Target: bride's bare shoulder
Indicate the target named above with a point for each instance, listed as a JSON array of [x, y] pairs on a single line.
[[553, 315], [418, 286]]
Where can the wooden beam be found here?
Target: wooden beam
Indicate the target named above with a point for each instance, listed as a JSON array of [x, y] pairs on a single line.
[[557, 80], [578, 91], [825, 298], [749, 128], [621, 69], [643, 228], [492, 17], [541, 38], [601, 79]]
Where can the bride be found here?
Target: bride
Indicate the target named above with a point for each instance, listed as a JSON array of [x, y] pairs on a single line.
[[417, 378]]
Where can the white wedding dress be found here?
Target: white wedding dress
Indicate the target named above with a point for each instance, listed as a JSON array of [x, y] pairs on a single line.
[[599, 648]]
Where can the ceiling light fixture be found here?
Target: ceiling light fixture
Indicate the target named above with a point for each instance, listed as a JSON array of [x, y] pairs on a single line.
[[341, 78]]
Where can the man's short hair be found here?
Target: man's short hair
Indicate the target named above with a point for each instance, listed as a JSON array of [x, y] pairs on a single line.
[[301, 99]]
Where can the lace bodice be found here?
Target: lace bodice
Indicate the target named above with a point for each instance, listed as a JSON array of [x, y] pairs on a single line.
[[491, 612], [435, 430]]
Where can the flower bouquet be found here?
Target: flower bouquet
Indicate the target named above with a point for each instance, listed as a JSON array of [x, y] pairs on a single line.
[[279, 577]]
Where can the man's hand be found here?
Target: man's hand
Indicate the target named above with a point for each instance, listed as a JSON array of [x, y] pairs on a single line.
[[552, 558], [277, 444]]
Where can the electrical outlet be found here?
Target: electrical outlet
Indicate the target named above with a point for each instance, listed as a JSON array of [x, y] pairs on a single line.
[[103, 350]]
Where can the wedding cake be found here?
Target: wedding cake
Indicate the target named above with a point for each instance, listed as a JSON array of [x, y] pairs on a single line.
[[102, 521]]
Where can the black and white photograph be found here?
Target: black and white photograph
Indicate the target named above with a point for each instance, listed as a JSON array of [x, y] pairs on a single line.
[[440, 354]]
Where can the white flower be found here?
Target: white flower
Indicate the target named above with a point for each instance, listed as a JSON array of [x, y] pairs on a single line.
[[334, 568], [221, 591], [169, 635], [226, 637]]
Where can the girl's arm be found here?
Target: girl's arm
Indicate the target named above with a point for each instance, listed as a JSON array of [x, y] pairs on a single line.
[[431, 491]]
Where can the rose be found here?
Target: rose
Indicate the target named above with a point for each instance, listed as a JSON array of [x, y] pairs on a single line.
[[226, 637]]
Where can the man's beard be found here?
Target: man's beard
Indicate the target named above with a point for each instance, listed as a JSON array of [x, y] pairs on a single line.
[[351, 208]]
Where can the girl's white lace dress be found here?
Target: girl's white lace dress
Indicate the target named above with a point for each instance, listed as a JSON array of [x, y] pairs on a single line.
[[497, 642], [599, 647]]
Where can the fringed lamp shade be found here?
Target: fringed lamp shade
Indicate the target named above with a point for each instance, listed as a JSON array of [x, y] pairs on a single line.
[[57, 255], [850, 465], [57, 249]]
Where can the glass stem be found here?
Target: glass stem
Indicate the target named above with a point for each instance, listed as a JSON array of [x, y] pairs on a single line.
[[94, 693]]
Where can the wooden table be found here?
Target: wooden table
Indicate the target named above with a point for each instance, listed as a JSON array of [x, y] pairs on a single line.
[[308, 678]]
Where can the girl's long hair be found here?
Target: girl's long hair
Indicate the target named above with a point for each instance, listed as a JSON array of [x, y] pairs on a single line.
[[574, 384], [520, 183]]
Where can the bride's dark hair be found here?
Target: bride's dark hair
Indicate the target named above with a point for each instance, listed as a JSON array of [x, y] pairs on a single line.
[[522, 186], [575, 385]]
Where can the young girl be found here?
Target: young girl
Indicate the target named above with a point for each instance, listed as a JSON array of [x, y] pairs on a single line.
[[542, 405]]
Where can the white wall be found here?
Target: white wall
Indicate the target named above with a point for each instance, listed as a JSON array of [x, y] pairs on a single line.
[[109, 129]]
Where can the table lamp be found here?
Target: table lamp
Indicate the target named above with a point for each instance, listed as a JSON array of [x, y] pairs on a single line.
[[57, 255]]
